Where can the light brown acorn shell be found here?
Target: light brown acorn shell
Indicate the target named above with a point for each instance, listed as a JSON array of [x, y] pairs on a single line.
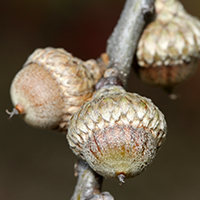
[[117, 133], [169, 49], [73, 81]]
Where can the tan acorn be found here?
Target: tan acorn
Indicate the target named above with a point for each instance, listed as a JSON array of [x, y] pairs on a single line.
[[51, 87], [169, 49], [118, 133]]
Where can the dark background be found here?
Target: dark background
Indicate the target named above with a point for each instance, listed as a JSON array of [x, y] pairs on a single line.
[[38, 164]]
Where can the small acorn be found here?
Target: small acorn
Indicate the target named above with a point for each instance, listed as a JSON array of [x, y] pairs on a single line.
[[51, 87], [169, 49], [118, 133]]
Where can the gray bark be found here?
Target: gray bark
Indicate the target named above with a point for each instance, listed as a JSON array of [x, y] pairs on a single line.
[[123, 41]]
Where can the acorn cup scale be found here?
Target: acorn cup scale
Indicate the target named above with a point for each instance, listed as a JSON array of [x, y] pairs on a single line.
[[51, 87], [117, 133], [169, 49]]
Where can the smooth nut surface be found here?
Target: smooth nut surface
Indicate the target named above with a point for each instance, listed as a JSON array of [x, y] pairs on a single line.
[[40, 105]]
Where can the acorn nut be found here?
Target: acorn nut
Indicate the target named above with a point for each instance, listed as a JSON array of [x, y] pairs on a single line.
[[118, 133], [169, 49], [51, 87]]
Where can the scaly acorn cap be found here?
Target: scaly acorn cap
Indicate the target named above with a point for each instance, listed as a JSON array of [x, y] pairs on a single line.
[[51, 87], [169, 49], [118, 133]]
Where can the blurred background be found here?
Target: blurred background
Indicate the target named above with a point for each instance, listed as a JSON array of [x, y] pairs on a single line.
[[38, 164]]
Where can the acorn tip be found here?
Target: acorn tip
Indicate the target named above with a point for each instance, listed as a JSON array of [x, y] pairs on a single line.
[[121, 178], [12, 113]]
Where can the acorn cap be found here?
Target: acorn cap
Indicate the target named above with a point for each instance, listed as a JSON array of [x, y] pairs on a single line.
[[117, 133], [169, 48]]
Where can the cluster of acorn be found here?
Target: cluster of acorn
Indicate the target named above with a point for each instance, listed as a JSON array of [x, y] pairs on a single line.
[[118, 133]]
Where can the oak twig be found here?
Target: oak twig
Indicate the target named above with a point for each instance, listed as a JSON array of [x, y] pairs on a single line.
[[120, 49], [123, 41], [89, 184]]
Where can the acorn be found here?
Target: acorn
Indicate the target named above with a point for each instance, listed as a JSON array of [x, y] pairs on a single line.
[[118, 133], [51, 87], [169, 49]]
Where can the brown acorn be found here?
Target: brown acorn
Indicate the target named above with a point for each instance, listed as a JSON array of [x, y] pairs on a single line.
[[169, 49], [117, 133], [51, 87]]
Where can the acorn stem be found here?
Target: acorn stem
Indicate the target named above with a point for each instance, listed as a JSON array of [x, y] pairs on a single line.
[[123, 41]]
